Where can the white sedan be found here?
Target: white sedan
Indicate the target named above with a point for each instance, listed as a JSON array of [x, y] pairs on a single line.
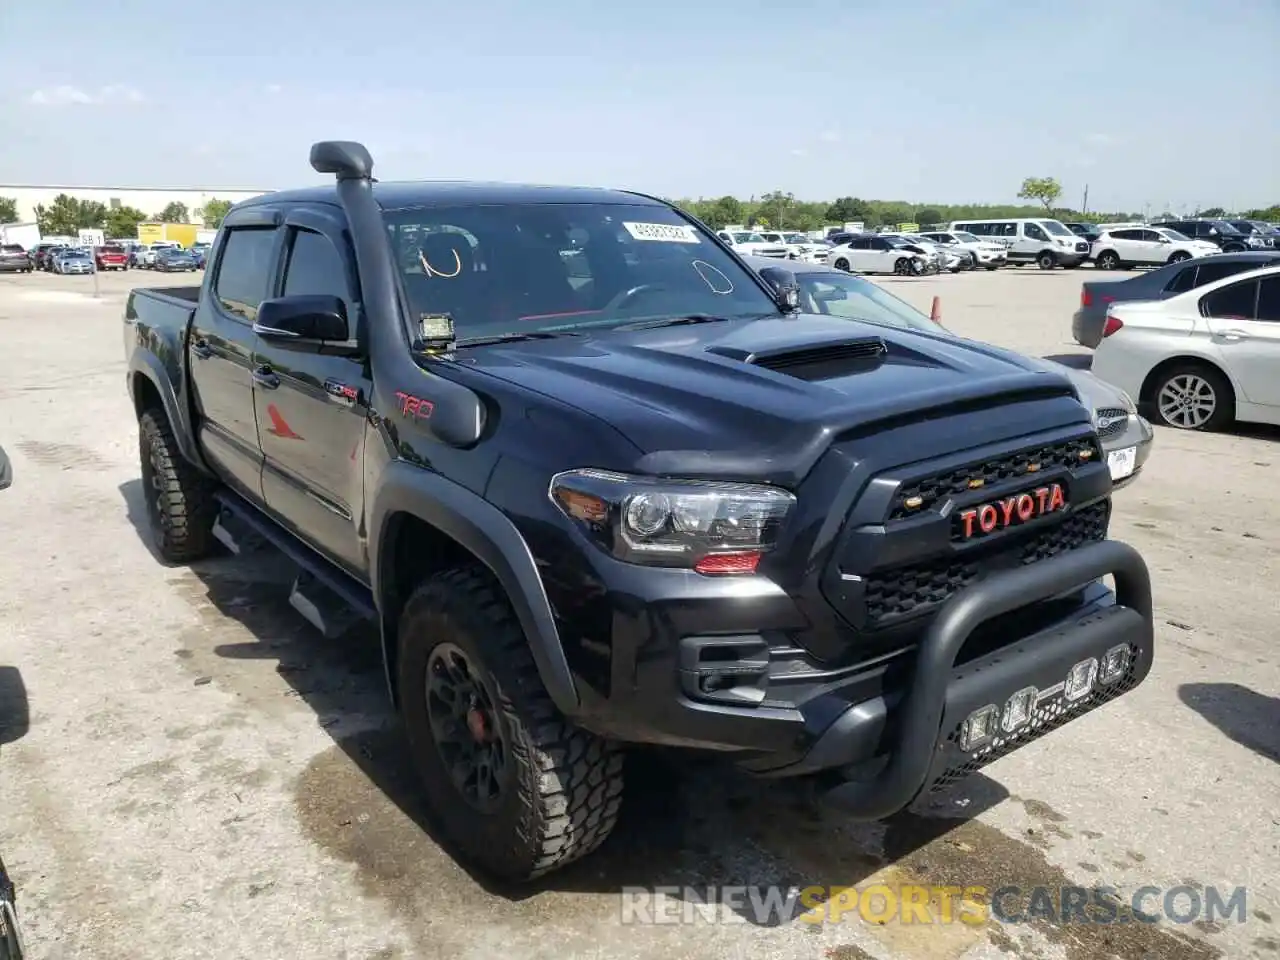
[[870, 253], [1146, 246], [1201, 359]]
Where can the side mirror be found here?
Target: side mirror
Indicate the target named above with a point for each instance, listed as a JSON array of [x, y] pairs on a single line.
[[830, 295], [786, 291], [314, 323], [6, 471]]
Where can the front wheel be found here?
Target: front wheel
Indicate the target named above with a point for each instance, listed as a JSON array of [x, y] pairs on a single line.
[[517, 789], [842, 264], [1179, 256], [1046, 260], [1194, 396]]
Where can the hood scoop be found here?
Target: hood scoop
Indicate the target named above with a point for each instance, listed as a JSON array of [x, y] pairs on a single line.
[[824, 361]]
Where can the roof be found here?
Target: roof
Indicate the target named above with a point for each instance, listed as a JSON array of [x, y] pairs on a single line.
[[448, 193]]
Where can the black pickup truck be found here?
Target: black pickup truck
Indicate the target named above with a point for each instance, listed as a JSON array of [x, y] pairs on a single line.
[[601, 484]]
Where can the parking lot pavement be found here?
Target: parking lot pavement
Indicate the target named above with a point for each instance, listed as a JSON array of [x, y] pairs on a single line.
[[202, 774]]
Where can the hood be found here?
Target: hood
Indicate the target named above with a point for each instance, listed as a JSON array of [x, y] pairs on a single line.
[[761, 397]]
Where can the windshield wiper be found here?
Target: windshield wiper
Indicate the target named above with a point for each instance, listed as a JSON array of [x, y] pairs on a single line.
[[670, 322], [514, 337]]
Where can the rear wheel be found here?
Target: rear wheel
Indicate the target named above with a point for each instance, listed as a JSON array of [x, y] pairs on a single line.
[[517, 789], [181, 507], [1193, 396], [1108, 260], [842, 264]]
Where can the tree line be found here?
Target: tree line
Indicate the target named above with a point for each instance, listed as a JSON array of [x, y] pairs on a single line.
[[67, 215], [777, 210]]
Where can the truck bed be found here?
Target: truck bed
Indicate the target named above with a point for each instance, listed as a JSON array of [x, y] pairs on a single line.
[[180, 296]]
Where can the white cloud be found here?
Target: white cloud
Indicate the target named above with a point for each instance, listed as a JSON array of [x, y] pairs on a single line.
[[65, 94], [829, 136], [273, 88], [1099, 139], [799, 152]]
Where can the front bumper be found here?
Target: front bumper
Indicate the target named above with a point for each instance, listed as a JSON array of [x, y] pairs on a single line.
[[924, 748], [1137, 433], [1070, 258]]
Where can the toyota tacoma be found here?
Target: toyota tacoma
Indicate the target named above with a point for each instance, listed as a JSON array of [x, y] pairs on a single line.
[[599, 483]]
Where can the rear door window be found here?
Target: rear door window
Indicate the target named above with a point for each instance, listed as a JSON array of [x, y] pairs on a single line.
[[244, 270], [1269, 300], [1184, 280], [1209, 272], [1235, 302]]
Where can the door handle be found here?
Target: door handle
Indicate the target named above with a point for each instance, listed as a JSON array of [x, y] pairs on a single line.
[[264, 377], [1232, 336], [202, 349]]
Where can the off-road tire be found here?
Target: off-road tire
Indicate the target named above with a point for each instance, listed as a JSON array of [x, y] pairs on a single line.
[[184, 513], [565, 787]]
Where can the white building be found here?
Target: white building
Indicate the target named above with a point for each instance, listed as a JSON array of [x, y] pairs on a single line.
[[150, 200]]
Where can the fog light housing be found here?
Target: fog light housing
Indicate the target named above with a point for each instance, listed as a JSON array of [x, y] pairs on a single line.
[[1115, 662], [1017, 709], [1080, 680], [978, 728]]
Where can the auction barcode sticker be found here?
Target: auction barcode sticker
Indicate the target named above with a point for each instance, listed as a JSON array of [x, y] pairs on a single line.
[[669, 232]]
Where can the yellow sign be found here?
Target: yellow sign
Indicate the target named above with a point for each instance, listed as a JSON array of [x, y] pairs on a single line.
[[908, 228], [150, 232]]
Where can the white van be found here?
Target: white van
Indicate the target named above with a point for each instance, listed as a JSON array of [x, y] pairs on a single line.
[[749, 243], [1042, 241]]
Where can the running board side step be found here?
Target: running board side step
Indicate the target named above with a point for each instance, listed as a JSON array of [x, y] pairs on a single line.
[[329, 599]]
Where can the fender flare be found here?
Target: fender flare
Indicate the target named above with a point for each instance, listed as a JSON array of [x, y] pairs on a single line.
[[486, 532], [144, 363]]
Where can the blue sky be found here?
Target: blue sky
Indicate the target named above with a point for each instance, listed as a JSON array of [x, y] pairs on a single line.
[[1148, 102]]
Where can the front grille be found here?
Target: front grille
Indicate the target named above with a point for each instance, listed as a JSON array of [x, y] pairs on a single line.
[[1082, 248], [1068, 454], [905, 591], [1118, 417]]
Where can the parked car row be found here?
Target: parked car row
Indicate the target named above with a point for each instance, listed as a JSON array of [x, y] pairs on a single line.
[[123, 255]]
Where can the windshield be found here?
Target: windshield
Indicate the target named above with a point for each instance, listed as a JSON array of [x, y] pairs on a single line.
[[844, 295], [523, 268], [1173, 235], [795, 238], [965, 237], [1055, 228], [1224, 227]]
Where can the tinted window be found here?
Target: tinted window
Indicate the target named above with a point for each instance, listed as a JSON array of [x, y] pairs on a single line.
[[1183, 281], [1212, 271], [1034, 232], [1149, 236], [1269, 300], [244, 270], [1127, 234], [314, 267], [499, 268], [1235, 302]]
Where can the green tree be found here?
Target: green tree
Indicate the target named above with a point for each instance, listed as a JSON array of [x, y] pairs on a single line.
[[66, 215], [1270, 214], [8, 210], [1047, 190], [174, 213], [848, 209], [211, 213], [1212, 213], [776, 207], [928, 215], [122, 222]]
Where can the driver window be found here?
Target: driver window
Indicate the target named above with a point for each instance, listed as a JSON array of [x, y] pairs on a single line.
[[1034, 232]]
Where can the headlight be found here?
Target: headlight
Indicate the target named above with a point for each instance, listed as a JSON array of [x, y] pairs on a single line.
[[710, 527]]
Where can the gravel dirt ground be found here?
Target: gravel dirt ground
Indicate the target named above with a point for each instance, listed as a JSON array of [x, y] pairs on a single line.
[[198, 773]]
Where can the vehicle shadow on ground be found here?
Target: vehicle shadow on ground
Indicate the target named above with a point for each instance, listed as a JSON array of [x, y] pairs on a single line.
[[1249, 718], [15, 706], [1076, 361], [686, 822]]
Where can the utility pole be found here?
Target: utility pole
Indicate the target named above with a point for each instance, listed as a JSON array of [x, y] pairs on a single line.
[[1084, 205]]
